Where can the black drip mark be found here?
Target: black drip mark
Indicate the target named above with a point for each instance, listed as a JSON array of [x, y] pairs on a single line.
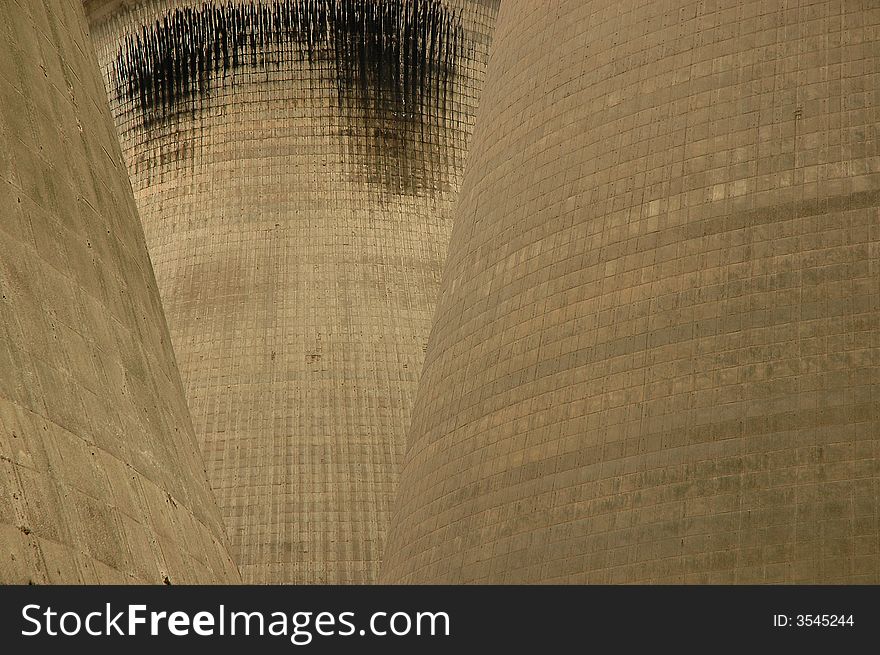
[[394, 63]]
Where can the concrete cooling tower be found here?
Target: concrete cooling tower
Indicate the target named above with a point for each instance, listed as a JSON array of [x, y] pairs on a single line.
[[656, 354], [295, 163], [100, 476]]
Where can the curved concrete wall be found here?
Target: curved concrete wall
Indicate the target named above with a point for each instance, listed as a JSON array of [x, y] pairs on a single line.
[[656, 353], [100, 476], [295, 165]]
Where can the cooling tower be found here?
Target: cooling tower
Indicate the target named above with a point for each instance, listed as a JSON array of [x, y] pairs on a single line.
[[100, 476], [656, 353], [295, 163]]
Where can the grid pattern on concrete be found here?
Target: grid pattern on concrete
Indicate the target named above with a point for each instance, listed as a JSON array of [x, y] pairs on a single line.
[[297, 238], [101, 480], [656, 354]]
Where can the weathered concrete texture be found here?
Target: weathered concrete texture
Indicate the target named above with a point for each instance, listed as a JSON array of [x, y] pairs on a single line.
[[295, 165], [100, 476], [656, 354]]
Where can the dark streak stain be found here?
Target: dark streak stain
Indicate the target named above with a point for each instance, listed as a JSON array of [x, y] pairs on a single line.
[[393, 62]]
